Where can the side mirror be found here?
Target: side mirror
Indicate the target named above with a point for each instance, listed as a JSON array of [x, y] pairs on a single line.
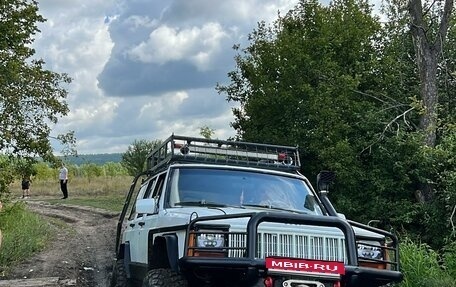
[[146, 206], [324, 179]]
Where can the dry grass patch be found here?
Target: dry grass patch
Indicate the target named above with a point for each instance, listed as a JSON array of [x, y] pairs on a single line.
[[77, 187]]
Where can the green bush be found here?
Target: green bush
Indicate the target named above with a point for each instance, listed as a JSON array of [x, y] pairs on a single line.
[[421, 266], [450, 259]]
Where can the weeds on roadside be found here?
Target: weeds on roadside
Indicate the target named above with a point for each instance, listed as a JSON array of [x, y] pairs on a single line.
[[424, 267], [23, 234], [450, 259]]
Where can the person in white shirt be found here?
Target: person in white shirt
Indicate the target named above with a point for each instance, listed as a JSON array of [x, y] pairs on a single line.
[[63, 177]]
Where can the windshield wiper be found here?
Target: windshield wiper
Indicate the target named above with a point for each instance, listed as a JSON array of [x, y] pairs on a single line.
[[202, 203], [273, 207]]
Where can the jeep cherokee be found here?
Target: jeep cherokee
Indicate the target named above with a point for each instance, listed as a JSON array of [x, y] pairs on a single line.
[[227, 213]]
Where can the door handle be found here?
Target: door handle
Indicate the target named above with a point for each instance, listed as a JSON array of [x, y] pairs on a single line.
[[132, 225], [141, 224]]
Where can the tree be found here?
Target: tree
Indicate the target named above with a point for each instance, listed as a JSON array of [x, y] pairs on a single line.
[[25, 167], [429, 154], [206, 132], [304, 81], [429, 41], [343, 86], [113, 169], [91, 170], [45, 172], [32, 98], [429, 27], [135, 158]]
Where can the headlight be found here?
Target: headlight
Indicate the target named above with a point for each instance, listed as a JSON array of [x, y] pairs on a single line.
[[370, 252], [210, 240]]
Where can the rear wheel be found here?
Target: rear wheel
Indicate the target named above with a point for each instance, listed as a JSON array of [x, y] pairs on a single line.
[[119, 275], [164, 277]]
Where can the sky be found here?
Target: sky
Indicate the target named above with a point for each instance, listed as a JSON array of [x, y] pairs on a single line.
[[144, 69]]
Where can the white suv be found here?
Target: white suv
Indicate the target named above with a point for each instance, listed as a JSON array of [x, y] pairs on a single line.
[[225, 213]]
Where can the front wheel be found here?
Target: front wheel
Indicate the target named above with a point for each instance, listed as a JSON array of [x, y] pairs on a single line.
[[119, 275], [164, 277]]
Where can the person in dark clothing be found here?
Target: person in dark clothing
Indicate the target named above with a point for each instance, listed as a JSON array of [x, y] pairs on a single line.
[[25, 187]]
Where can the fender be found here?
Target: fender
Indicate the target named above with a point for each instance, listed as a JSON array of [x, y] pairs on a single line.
[[124, 253], [164, 252]]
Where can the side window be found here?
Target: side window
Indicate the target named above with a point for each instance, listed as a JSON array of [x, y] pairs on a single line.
[[154, 190], [159, 186], [145, 188], [149, 188]]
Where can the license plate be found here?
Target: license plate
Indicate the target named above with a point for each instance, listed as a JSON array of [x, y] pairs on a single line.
[[305, 265]]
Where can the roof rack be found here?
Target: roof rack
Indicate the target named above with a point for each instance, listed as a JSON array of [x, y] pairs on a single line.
[[202, 150]]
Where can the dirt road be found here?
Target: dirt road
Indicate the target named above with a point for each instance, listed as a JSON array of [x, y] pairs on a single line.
[[81, 254]]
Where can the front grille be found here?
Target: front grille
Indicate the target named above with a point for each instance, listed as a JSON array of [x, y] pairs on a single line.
[[290, 245]]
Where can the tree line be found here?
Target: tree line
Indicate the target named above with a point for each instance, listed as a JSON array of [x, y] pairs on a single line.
[[45, 171]]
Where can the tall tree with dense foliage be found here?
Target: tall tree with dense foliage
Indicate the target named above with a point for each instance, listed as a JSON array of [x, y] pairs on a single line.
[[135, 158], [341, 84], [307, 80], [425, 36], [429, 27], [31, 97]]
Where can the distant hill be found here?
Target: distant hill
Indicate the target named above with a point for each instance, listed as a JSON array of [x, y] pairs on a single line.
[[98, 159]]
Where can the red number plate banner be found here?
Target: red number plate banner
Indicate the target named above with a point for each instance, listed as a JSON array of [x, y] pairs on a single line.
[[303, 265]]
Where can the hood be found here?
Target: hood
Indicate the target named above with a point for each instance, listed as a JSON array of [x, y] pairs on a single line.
[[186, 212], [367, 233]]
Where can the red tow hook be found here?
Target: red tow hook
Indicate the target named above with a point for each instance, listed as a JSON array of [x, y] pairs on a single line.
[[268, 282]]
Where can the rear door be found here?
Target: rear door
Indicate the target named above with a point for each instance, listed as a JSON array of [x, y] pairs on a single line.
[[134, 224], [148, 221]]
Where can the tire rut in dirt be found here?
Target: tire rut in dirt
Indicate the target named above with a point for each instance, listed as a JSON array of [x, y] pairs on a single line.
[[83, 250]]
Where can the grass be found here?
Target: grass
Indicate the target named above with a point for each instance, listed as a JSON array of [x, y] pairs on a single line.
[[422, 266], [101, 192], [111, 203], [18, 224], [24, 233], [79, 186]]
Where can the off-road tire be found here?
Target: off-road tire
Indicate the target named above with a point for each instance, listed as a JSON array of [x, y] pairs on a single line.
[[164, 277], [119, 275]]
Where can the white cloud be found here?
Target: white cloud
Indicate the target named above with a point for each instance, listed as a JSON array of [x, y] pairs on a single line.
[[197, 45], [162, 107], [84, 117], [75, 40], [243, 13], [144, 69], [137, 21]]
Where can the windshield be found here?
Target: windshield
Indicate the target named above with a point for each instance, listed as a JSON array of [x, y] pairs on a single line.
[[223, 187]]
